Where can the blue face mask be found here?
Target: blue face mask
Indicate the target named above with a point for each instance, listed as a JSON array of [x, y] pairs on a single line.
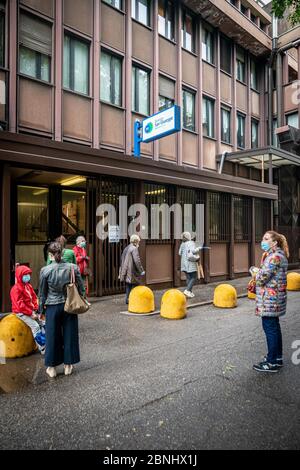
[[26, 278], [265, 246], [83, 244]]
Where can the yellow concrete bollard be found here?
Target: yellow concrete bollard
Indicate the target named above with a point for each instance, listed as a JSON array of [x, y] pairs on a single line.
[[173, 305], [16, 337], [225, 296], [293, 281], [141, 300]]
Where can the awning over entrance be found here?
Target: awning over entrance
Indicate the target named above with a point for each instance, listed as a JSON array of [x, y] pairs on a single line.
[[266, 158]]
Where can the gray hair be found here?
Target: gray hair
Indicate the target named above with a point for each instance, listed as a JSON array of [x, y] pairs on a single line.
[[186, 236], [135, 239], [80, 239]]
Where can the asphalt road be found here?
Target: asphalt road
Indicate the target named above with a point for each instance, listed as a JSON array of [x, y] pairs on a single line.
[[150, 383]]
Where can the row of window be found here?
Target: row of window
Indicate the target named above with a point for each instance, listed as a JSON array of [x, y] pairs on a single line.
[[37, 35], [244, 9]]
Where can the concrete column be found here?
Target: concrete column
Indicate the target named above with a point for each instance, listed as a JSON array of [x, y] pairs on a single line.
[[128, 54], [298, 50], [155, 72], [252, 245], [231, 243], [206, 253], [5, 243], [179, 81], [96, 74], [13, 46], [58, 70]]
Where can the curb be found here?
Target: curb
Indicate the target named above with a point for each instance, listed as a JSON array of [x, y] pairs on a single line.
[[157, 312]]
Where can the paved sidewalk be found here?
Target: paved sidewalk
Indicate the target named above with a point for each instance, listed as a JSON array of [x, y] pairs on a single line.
[[203, 293]]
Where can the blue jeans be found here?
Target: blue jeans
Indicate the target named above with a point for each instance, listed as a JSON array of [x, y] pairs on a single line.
[[271, 327], [191, 279], [129, 288], [62, 341]]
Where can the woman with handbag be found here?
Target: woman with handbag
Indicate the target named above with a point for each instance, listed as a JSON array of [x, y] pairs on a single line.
[[62, 341], [271, 297], [189, 262]]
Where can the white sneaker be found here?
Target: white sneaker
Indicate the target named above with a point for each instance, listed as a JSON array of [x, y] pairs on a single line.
[[68, 369], [188, 294], [51, 371]]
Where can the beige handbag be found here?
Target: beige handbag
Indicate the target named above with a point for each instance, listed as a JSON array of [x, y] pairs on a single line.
[[75, 303]]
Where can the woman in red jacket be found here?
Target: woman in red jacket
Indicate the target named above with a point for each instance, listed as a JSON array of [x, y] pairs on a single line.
[[82, 260], [25, 305]]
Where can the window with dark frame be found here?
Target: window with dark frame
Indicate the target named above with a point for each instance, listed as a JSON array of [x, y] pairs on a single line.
[[240, 65], [111, 78], [225, 125], [35, 47], [140, 11], [2, 33], [225, 54], [241, 125], [253, 75], [114, 3], [188, 31], [208, 117], [292, 74], [292, 120], [76, 64], [166, 93], [166, 19], [188, 110], [140, 90], [208, 45], [254, 133]]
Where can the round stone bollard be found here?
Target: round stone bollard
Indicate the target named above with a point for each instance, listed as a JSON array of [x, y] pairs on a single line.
[[141, 300], [225, 296], [15, 337], [173, 305], [293, 281]]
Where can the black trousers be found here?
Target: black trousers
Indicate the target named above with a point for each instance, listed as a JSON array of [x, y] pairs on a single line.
[[62, 340]]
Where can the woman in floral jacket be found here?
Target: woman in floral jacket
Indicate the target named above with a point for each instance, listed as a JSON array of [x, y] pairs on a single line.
[[271, 297]]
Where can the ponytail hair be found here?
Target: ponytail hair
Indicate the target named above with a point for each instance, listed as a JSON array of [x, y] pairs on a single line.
[[281, 241], [56, 250]]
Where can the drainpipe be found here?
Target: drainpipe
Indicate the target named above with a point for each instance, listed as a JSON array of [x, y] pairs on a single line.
[[270, 77], [222, 162]]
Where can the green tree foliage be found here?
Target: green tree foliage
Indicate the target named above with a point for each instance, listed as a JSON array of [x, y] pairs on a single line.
[[280, 6]]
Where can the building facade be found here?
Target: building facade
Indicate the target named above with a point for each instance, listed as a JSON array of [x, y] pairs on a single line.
[[76, 75]]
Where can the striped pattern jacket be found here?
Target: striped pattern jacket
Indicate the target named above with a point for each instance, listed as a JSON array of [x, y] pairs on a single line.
[[271, 283]]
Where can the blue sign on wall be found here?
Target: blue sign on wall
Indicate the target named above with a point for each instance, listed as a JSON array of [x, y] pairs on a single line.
[[156, 126]]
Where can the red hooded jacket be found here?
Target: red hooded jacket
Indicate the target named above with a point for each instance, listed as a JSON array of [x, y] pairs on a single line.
[[23, 297], [82, 263]]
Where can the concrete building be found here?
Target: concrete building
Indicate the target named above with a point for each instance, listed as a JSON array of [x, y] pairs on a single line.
[[74, 77]]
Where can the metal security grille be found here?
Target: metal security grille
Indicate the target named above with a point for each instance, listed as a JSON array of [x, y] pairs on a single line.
[[219, 217], [242, 219], [262, 218], [191, 197], [107, 255], [156, 194], [110, 192]]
